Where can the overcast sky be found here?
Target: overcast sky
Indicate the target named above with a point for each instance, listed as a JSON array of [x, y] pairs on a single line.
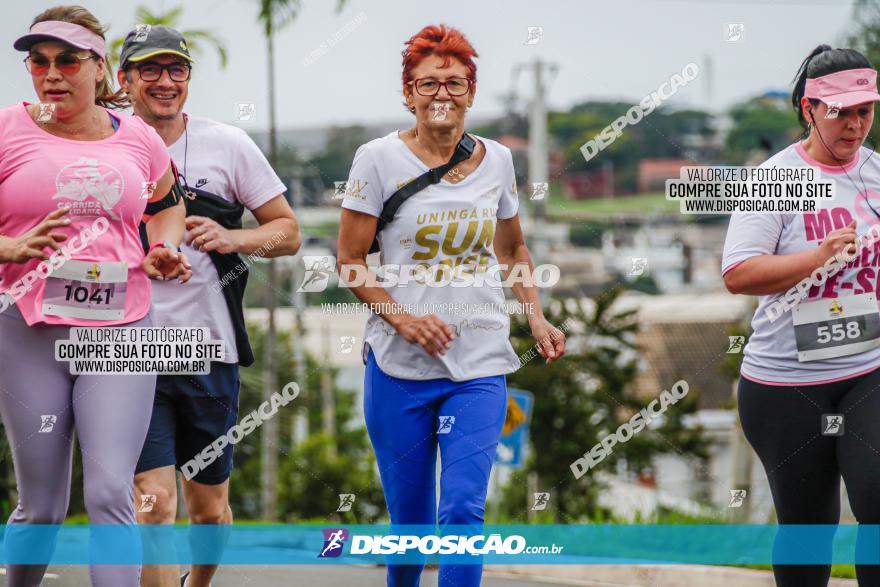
[[617, 49]]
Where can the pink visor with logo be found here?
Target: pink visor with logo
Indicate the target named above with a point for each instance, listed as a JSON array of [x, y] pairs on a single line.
[[844, 88], [57, 30]]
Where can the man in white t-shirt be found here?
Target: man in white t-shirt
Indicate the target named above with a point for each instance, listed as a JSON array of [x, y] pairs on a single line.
[[223, 172]]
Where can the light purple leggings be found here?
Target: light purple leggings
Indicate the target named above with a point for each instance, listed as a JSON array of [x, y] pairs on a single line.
[[110, 414]]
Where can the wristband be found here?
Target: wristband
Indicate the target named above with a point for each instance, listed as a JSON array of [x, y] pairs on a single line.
[[162, 243]]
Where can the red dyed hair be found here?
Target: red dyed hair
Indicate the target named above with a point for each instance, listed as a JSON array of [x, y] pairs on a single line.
[[442, 41]]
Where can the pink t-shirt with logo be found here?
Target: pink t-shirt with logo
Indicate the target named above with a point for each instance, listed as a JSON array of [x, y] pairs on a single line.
[[771, 355], [40, 172]]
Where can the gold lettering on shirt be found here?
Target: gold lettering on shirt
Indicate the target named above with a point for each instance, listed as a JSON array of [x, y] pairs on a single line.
[[446, 241]]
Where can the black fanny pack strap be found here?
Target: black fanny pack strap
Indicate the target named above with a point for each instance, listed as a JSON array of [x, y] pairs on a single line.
[[463, 151], [228, 215]]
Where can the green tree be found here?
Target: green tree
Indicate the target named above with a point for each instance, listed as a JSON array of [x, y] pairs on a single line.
[[865, 35], [308, 482], [661, 134], [759, 123], [581, 399], [334, 161], [197, 39]]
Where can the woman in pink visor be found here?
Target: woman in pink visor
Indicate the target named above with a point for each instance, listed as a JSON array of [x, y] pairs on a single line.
[[75, 182], [809, 391]]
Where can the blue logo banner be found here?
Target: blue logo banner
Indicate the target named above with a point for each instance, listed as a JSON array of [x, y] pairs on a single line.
[[493, 544]]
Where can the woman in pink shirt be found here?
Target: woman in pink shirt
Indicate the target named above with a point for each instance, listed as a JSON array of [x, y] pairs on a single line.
[[75, 182], [809, 406]]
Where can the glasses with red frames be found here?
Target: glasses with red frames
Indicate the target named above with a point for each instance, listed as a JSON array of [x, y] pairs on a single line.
[[428, 86]]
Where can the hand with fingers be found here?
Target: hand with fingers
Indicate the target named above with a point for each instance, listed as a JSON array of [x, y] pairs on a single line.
[[204, 234], [430, 332], [32, 244], [551, 340], [842, 239], [163, 263]]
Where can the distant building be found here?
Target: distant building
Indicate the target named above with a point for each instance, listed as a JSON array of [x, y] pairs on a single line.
[[588, 185], [310, 141], [653, 173], [781, 99]]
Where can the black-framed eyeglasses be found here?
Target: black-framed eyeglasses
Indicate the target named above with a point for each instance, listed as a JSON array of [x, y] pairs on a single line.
[[67, 63], [428, 86], [152, 71]]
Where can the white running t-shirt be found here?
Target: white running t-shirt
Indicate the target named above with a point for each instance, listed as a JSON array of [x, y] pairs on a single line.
[[771, 355], [223, 160], [444, 224]]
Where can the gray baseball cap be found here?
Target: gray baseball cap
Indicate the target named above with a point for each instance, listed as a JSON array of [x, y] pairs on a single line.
[[147, 41]]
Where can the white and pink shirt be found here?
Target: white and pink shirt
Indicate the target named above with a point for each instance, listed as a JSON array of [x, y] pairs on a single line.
[[109, 178], [771, 355]]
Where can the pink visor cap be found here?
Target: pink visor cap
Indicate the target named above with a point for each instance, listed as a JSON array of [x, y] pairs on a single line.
[[68, 32], [844, 88]]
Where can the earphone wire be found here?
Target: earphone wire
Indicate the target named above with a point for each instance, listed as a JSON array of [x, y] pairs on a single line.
[[189, 192]]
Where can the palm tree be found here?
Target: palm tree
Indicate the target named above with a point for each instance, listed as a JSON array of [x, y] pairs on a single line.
[[273, 16], [196, 39]]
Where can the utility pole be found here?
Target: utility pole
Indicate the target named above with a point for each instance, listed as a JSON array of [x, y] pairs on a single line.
[[270, 368], [301, 416], [539, 158], [708, 87], [328, 404]]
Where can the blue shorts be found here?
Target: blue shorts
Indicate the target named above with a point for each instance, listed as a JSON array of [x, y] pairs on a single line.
[[189, 413]]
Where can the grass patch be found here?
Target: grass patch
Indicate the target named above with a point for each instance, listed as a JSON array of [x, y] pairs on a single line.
[[641, 205], [327, 229]]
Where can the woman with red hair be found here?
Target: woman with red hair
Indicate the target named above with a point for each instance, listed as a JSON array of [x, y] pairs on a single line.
[[437, 344]]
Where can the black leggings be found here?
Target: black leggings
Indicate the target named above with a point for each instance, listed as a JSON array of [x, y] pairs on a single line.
[[783, 425]]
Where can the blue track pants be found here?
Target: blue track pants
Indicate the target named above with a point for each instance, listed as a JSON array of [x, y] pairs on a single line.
[[407, 420]]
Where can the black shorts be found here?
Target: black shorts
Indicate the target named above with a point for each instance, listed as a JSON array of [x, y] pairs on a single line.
[[190, 412]]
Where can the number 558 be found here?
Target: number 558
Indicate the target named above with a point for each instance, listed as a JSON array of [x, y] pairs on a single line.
[[838, 332]]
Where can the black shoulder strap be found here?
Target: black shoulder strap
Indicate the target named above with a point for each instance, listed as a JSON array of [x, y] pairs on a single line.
[[463, 151], [174, 195]]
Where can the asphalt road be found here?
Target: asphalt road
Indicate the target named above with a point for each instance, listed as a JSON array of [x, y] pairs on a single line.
[[291, 576]]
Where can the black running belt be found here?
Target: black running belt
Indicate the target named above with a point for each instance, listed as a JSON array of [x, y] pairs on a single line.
[[228, 265], [463, 151]]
